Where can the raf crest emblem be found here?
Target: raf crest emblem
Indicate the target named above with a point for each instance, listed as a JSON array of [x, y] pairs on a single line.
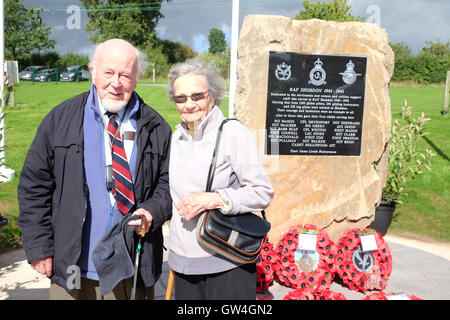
[[349, 76], [283, 72], [317, 75]]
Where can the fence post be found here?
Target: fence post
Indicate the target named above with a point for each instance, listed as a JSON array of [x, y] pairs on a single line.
[[446, 94]]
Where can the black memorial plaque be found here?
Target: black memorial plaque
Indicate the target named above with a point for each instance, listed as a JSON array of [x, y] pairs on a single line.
[[315, 104]]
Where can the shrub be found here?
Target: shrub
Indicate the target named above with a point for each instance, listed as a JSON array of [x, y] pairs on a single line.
[[221, 60], [429, 66], [405, 159]]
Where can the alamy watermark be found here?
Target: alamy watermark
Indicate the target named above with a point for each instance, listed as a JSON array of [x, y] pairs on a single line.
[[375, 14], [74, 19], [74, 280]]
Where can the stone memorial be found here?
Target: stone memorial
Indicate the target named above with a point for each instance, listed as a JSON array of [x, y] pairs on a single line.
[[315, 94]]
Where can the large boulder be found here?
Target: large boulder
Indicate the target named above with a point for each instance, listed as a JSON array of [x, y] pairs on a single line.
[[332, 192]]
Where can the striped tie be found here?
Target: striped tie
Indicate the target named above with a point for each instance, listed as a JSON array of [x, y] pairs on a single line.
[[122, 184]]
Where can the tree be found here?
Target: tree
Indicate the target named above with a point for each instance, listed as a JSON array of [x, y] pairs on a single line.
[[437, 48], [72, 59], [404, 62], [430, 65], [25, 31], [336, 10], [221, 60], [400, 50], [176, 51], [133, 21], [217, 41], [154, 51]]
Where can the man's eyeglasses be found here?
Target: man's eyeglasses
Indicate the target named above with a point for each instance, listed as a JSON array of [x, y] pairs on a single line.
[[194, 97]]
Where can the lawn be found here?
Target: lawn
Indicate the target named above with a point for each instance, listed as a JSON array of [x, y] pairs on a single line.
[[426, 213]]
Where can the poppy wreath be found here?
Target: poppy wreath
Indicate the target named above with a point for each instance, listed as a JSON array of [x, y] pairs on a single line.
[[264, 268], [296, 269], [363, 271], [310, 294], [384, 296]]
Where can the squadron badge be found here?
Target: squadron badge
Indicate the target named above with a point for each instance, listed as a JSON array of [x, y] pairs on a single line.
[[363, 261], [317, 75], [307, 261], [349, 76], [283, 72]]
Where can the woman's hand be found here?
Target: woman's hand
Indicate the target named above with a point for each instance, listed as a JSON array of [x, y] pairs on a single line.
[[193, 204]]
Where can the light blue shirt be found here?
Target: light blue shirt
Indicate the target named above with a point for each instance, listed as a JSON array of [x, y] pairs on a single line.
[[101, 211]]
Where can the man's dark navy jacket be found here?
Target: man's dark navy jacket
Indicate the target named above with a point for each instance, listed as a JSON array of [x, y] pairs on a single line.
[[52, 190]]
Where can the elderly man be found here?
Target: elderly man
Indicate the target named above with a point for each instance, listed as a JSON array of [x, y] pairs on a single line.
[[96, 159]]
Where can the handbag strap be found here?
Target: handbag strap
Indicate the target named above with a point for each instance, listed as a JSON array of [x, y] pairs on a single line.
[[212, 167]]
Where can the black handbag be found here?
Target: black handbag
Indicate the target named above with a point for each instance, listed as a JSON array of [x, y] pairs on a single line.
[[236, 237]]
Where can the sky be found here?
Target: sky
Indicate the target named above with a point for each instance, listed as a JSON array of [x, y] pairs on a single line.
[[188, 21]]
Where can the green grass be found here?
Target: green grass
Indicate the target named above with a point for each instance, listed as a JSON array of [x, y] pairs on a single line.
[[427, 209], [425, 213]]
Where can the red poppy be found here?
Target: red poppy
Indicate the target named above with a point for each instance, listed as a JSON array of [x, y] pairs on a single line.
[[360, 270], [324, 281], [330, 295], [265, 268], [386, 296], [299, 268], [300, 294], [375, 296], [310, 294]]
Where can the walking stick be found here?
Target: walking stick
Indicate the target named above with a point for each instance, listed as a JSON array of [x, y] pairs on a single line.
[[169, 285], [136, 260]]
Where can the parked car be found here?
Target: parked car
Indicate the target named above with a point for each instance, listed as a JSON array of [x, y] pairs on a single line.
[[75, 73], [27, 73], [46, 75]]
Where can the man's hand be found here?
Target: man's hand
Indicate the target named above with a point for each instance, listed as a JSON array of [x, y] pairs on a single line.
[[44, 266], [138, 223]]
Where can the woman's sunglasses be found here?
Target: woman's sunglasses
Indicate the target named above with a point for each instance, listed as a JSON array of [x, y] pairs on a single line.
[[194, 97]]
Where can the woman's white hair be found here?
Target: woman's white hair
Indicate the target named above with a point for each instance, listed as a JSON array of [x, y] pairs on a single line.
[[141, 60], [216, 83]]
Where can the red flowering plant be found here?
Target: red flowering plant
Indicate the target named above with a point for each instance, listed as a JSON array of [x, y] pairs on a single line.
[[390, 296], [264, 268], [313, 267], [363, 269], [310, 294]]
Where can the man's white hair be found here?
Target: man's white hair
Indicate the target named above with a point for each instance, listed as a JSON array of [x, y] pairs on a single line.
[[141, 60]]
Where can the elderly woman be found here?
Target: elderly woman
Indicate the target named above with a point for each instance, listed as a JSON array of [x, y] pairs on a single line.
[[240, 184]]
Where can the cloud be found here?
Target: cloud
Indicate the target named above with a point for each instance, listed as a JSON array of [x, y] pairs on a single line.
[[86, 51], [189, 21], [201, 43], [411, 22], [58, 28], [185, 18], [226, 29]]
